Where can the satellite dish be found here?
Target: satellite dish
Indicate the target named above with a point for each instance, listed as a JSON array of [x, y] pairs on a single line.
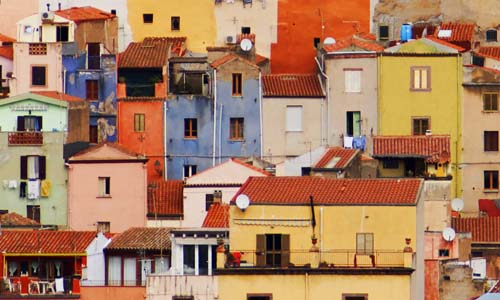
[[242, 201], [457, 204], [448, 234], [246, 44], [329, 41]]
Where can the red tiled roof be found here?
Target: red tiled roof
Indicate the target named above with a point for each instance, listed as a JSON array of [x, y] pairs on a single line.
[[116, 146], [250, 166], [493, 52], [141, 238], [260, 59], [460, 32], [330, 191], [4, 38], [291, 85], [7, 52], [228, 58], [152, 52], [436, 148], [14, 219], [345, 155], [353, 42], [217, 216], [45, 242], [483, 229], [165, 198], [445, 43], [58, 96], [82, 14]]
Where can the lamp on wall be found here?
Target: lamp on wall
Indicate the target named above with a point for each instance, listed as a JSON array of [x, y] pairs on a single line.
[[158, 168]]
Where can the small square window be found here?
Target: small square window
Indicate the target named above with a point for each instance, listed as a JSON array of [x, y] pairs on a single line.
[[444, 252], [209, 199], [104, 187], [246, 30], [147, 18], [316, 42], [103, 227], [189, 170], [38, 75], [352, 80], [113, 12], [491, 35], [383, 32], [190, 128], [139, 122], [420, 126], [420, 78], [237, 84], [490, 101], [175, 23], [33, 212], [490, 140], [236, 128], [491, 180]]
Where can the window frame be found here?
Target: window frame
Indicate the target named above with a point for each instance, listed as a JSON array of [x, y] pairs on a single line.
[[106, 193], [237, 85], [190, 128], [490, 145], [139, 122], [489, 38], [44, 78], [492, 184], [60, 34], [490, 104], [355, 74], [362, 249], [380, 37], [236, 129], [145, 18], [420, 87], [175, 23], [246, 30], [191, 170], [420, 125]]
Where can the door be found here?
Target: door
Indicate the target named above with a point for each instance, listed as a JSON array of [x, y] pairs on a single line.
[[94, 56]]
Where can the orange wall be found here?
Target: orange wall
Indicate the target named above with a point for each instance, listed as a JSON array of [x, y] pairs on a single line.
[[108, 292], [299, 22], [152, 137]]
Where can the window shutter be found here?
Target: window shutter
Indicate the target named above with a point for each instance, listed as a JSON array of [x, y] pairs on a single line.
[[38, 123], [42, 167], [20, 123], [260, 252], [24, 167], [22, 189], [285, 250]]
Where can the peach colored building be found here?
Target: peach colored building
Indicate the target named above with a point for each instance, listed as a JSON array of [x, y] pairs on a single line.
[[107, 189], [12, 12]]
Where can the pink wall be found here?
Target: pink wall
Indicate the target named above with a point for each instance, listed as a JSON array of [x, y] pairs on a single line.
[[432, 279], [434, 241], [108, 292], [125, 208]]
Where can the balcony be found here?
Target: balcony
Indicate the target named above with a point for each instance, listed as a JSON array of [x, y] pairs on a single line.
[[22, 138], [24, 287]]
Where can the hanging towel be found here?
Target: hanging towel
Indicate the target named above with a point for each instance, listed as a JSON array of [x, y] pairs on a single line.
[[348, 141], [12, 184], [45, 189], [33, 189]]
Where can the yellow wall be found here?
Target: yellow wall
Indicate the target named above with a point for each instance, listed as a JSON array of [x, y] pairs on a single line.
[[341, 223], [397, 104], [305, 287], [197, 21]]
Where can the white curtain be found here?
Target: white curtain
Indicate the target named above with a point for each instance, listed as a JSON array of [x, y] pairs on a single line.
[[129, 271], [161, 265], [114, 270], [145, 269]]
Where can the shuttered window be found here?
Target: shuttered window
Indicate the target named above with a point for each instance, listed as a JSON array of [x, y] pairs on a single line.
[[352, 79], [364, 243], [273, 250], [33, 167], [294, 118]]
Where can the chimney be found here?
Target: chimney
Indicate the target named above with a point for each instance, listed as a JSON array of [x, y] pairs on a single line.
[[48, 6], [218, 196]]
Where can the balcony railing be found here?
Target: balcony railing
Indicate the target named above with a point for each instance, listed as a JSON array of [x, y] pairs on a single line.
[[25, 138], [113, 283], [306, 259]]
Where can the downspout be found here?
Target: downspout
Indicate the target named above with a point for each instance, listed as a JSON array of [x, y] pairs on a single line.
[[220, 132], [327, 100], [215, 117], [260, 117], [165, 109], [321, 229], [457, 123]]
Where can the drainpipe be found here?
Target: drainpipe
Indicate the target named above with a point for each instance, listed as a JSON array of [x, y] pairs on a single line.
[[260, 116], [220, 133], [64, 80], [321, 224], [165, 109], [215, 116], [327, 100]]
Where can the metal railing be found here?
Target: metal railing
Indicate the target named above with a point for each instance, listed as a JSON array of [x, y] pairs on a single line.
[[25, 138], [113, 283]]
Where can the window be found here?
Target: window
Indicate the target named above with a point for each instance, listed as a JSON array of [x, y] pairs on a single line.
[[294, 118], [175, 23], [104, 187], [33, 212], [93, 134], [139, 122], [273, 250], [353, 123], [92, 89], [246, 30], [490, 101], [316, 41], [491, 180], [390, 164], [38, 75], [147, 18], [93, 56], [491, 35], [352, 80], [38, 49], [236, 128], [491, 141], [259, 296], [354, 296], [236, 84], [420, 79], [209, 199], [383, 32], [189, 170], [444, 252], [29, 123], [190, 128], [103, 226], [33, 167], [113, 12], [420, 126], [62, 33], [364, 243]]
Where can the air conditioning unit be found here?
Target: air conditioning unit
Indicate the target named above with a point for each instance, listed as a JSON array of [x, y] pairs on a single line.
[[48, 16], [231, 39]]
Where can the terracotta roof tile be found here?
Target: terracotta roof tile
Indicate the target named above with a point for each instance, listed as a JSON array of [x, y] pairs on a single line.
[[259, 59], [165, 198], [329, 191], [217, 216], [141, 238], [82, 14], [291, 85], [492, 52], [483, 229], [45, 242], [14, 219], [251, 167], [460, 32], [152, 52], [58, 96], [7, 52], [436, 148], [445, 43], [4, 38], [342, 155], [353, 42], [116, 146], [228, 58]]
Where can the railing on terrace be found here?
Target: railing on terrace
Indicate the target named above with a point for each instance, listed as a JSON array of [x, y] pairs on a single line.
[[305, 258], [117, 283], [25, 138]]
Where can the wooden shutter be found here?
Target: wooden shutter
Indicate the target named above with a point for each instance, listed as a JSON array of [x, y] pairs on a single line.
[[24, 167], [260, 251], [42, 165], [285, 250], [20, 123], [22, 189], [39, 123]]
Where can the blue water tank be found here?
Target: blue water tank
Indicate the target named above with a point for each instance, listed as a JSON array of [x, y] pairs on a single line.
[[406, 32]]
